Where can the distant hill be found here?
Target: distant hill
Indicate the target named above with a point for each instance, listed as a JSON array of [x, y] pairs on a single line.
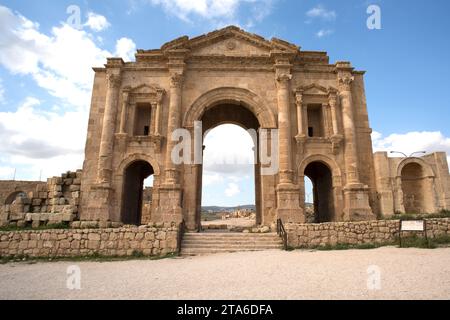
[[228, 209]]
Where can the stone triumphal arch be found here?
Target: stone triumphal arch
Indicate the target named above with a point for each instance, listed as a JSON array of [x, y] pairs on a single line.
[[317, 109]]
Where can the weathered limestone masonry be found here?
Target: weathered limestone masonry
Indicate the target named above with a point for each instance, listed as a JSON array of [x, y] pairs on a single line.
[[52, 202], [314, 110], [149, 240], [380, 231]]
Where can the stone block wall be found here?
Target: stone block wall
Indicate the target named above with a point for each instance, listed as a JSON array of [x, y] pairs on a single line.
[[149, 240], [49, 203], [381, 231]]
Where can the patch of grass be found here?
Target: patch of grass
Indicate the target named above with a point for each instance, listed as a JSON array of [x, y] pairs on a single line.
[[136, 255], [348, 246], [414, 216], [62, 225]]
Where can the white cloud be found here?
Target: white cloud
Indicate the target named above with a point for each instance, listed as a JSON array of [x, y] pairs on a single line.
[[321, 12], [209, 179], [323, 33], [60, 63], [232, 190], [411, 142], [97, 22], [42, 140], [239, 156], [38, 136], [125, 48], [2, 92], [221, 12]]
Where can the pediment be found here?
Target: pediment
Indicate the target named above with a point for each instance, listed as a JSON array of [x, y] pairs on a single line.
[[230, 41], [314, 89], [145, 89]]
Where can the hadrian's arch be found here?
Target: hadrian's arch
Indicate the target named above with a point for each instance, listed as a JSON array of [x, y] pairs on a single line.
[[317, 108]]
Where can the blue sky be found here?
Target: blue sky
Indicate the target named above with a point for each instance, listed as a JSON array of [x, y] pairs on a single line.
[[45, 74]]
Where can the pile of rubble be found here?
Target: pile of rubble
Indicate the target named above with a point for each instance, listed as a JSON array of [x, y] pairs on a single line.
[[246, 213], [51, 203]]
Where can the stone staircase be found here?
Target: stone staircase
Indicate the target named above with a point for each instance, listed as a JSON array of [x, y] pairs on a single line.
[[220, 242]]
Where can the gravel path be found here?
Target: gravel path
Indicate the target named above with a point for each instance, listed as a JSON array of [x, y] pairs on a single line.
[[405, 274]]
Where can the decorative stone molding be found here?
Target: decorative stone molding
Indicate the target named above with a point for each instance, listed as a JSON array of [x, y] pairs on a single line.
[[247, 98]]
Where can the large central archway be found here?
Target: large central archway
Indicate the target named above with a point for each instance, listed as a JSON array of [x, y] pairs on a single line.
[[236, 114], [230, 105]]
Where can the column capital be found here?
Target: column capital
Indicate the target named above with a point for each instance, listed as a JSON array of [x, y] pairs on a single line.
[[159, 95], [283, 80], [114, 80], [125, 96], [298, 96], [345, 81], [176, 80]]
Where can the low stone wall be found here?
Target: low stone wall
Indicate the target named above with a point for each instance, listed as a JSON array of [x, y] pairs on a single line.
[[149, 240], [332, 233]]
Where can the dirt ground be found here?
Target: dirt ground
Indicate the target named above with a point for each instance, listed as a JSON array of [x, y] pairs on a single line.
[[384, 273]]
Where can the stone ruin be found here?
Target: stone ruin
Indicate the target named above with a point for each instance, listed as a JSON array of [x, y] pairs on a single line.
[[50, 203]]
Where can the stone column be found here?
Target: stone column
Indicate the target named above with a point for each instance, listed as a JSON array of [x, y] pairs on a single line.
[[325, 120], [332, 101], [123, 115], [152, 124], [288, 206], [356, 194], [104, 169], [351, 156], [284, 127], [300, 122], [171, 170], [158, 112]]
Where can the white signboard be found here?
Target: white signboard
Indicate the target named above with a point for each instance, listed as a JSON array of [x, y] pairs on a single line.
[[413, 225]]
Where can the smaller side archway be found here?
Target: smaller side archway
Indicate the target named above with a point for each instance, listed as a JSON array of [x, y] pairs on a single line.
[[325, 177], [322, 181], [132, 193]]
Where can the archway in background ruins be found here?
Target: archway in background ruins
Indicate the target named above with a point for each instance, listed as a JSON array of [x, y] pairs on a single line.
[[13, 196], [322, 180], [132, 194], [237, 114], [414, 188]]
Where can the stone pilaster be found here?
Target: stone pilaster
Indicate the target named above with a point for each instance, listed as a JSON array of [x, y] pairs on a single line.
[[302, 123], [356, 195], [104, 168]]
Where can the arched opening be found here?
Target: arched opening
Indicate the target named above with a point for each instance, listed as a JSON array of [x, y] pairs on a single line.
[[322, 192], [413, 187], [13, 196], [133, 199], [309, 201], [230, 174]]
